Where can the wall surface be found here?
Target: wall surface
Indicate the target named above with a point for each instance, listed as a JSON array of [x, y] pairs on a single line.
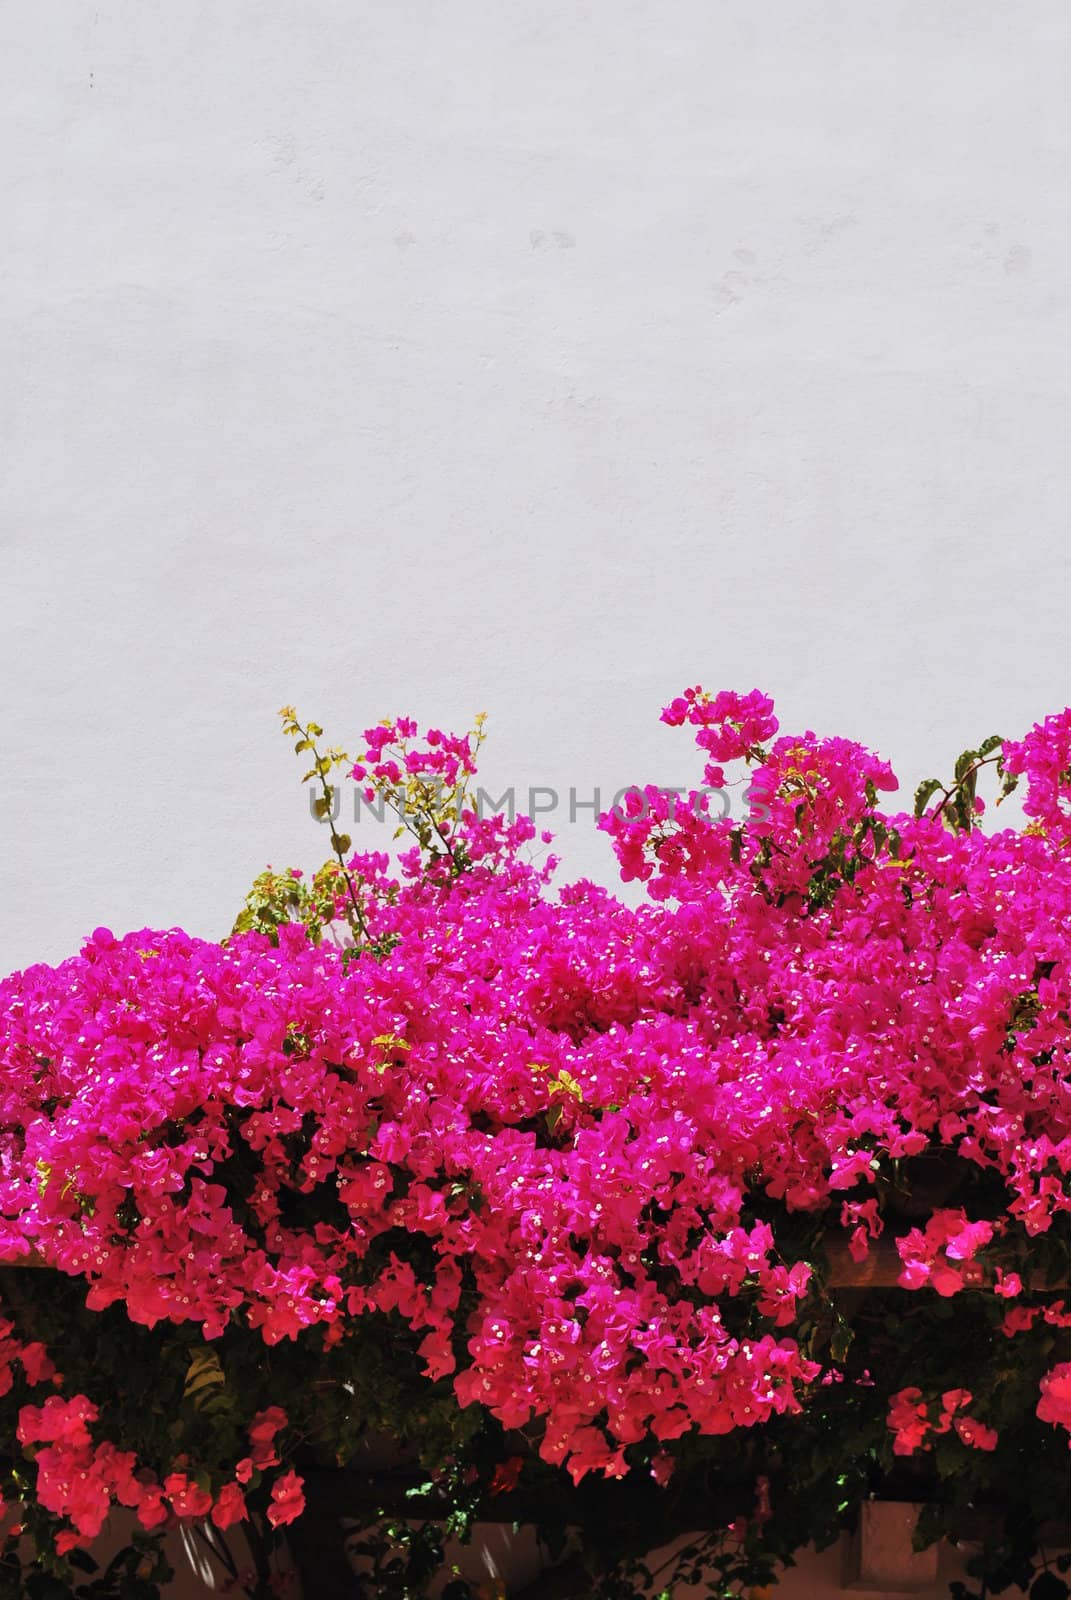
[[540, 359], [500, 1556]]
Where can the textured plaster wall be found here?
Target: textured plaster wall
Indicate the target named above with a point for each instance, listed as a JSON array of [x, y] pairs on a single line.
[[539, 359]]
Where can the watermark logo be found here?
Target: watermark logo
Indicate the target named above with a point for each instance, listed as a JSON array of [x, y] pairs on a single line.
[[545, 801]]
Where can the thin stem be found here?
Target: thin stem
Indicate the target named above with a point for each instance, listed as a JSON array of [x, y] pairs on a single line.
[[357, 922], [402, 812], [985, 761]]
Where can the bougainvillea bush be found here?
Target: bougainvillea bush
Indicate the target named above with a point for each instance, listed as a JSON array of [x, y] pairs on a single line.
[[541, 1185]]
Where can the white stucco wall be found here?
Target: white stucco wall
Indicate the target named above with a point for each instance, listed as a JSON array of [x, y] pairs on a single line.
[[539, 359]]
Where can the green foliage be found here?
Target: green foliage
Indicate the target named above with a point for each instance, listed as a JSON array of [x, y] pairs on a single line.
[[277, 898], [957, 805]]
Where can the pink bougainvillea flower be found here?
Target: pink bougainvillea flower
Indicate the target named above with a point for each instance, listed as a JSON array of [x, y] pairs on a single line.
[[187, 1498], [557, 1142], [1055, 1403], [287, 1500], [229, 1506]]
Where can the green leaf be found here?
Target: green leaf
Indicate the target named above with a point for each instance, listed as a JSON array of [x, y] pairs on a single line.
[[81, 1560], [841, 1342], [205, 1381], [925, 793], [930, 1525], [967, 759]]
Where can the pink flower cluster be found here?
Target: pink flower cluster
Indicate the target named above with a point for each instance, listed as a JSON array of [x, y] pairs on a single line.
[[1055, 1403], [1045, 757], [80, 1479], [940, 1253], [577, 1108], [33, 1359], [391, 757], [911, 1422]]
